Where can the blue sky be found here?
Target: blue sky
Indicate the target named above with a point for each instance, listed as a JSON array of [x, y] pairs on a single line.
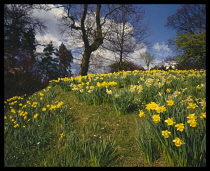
[[156, 16]]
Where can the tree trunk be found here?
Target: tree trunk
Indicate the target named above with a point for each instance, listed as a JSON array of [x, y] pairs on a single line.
[[96, 43], [148, 67], [122, 46], [85, 62], [120, 63]]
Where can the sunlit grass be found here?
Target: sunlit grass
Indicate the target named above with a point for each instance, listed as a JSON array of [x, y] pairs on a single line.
[[138, 118]]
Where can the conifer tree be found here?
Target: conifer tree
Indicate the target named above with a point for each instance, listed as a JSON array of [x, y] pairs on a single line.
[[65, 58], [28, 42], [48, 63]]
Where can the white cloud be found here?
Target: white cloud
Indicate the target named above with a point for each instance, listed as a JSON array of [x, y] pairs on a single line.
[[50, 20], [159, 47], [135, 56], [45, 39], [156, 46], [161, 51]]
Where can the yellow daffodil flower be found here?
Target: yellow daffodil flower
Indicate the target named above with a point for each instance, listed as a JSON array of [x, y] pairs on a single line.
[[180, 127], [178, 142], [170, 121], [166, 133]]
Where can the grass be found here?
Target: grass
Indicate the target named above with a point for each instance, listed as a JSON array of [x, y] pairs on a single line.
[[96, 122], [56, 127], [89, 124]]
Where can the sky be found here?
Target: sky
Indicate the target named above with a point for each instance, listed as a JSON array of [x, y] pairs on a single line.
[[155, 15]]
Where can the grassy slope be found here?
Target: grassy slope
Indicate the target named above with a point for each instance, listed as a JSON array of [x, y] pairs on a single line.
[[50, 139], [101, 121]]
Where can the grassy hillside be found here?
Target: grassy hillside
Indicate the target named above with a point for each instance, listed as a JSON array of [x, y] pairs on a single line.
[[106, 120]]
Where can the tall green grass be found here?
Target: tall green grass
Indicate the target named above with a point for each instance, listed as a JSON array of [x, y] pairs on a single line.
[[134, 90], [38, 130], [37, 133]]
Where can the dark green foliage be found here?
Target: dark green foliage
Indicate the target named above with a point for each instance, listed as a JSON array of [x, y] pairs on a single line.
[[65, 58], [126, 66], [48, 64], [20, 67], [28, 42]]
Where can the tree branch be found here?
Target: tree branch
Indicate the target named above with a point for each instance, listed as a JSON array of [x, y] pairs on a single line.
[[99, 38], [109, 14]]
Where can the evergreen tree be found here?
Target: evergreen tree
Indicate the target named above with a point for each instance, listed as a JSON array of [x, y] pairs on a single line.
[[65, 58], [49, 66], [28, 42], [21, 75], [19, 29]]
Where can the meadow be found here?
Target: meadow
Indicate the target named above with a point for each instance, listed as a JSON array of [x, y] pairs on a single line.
[[125, 119]]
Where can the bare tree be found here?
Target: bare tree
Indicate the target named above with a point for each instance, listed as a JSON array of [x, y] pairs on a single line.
[[126, 31], [75, 21], [191, 18], [147, 58]]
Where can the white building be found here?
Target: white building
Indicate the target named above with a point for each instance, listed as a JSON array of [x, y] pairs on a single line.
[[170, 63]]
